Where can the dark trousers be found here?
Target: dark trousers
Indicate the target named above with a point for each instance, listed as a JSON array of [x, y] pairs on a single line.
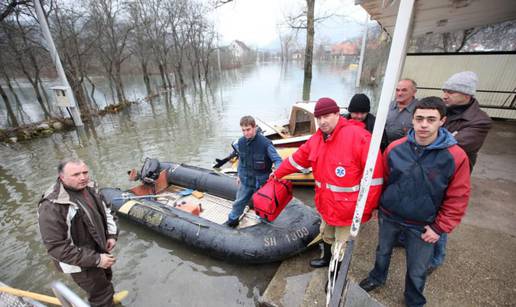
[[418, 255], [97, 283]]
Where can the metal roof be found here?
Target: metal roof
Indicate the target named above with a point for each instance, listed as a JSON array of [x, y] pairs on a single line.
[[439, 16]]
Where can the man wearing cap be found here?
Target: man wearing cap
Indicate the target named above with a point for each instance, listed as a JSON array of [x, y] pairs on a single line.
[[465, 120], [358, 109], [399, 118], [337, 154], [468, 124]]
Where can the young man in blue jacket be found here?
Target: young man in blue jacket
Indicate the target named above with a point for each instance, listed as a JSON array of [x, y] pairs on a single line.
[[426, 192], [256, 154]]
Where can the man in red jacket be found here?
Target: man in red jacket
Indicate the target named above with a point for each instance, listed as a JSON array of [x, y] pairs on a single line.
[[337, 154]]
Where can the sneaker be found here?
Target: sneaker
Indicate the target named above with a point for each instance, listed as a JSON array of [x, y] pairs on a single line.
[[231, 223]]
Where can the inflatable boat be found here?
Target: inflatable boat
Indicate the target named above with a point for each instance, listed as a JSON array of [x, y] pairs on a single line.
[[190, 204]]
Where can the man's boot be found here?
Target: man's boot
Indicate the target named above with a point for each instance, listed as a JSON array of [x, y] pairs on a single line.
[[325, 259]]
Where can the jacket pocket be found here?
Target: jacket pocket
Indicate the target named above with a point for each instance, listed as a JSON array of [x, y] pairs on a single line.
[[259, 162]]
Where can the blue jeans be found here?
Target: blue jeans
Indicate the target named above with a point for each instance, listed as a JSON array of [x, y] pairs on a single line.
[[244, 194], [418, 255], [439, 250]]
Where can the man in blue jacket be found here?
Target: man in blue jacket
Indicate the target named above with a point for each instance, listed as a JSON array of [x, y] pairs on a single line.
[[426, 192], [256, 155]]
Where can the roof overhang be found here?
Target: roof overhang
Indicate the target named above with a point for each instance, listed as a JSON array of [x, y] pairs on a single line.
[[440, 16]]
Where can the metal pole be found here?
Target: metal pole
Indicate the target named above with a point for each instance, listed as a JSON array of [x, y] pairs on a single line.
[[76, 116], [362, 53], [394, 65]]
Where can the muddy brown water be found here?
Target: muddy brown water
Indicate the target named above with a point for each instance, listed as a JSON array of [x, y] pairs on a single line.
[[194, 130]]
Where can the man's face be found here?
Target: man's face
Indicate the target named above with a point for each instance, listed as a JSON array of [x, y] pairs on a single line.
[[248, 131], [75, 175], [405, 91], [360, 116], [452, 98], [328, 122], [426, 124]]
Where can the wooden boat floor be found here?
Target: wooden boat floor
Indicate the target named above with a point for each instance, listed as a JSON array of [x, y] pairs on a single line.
[[213, 208]]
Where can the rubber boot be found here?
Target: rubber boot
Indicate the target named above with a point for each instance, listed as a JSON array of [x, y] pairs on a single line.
[[119, 296], [325, 259]]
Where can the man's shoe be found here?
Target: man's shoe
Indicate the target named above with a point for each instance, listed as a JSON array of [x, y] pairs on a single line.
[[368, 285], [430, 270], [325, 258], [231, 223]]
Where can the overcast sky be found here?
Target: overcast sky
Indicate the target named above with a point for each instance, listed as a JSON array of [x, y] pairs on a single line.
[[256, 22]]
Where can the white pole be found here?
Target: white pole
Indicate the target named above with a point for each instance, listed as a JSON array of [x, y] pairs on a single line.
[[362, 53], [76, 116], [394, 65]]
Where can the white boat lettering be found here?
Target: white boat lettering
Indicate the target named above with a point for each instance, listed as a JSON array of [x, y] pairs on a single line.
[[270, 241]]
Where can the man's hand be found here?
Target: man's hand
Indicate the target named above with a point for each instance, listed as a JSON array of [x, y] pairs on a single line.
[[133, 175], [110, 245], [374, 215], [429, 236], [238, 180], [106, 261]]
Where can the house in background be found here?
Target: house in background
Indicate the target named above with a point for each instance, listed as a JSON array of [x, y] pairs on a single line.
[[239, 50], [347, 51]]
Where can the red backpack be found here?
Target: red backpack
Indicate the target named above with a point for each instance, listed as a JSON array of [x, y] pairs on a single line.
[[271, 198]]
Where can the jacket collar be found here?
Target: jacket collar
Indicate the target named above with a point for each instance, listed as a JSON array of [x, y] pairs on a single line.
[[58, 194], [470, 112], [410, 107], [444, 139]]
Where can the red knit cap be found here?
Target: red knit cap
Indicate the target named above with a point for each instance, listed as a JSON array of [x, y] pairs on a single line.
[[325, 106]]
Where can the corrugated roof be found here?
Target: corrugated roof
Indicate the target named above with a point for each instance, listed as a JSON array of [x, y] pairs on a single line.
[[439, 16]]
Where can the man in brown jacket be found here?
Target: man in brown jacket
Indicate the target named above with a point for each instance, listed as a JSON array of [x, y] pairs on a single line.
[[468, 124], [465, 120], [79, 231]]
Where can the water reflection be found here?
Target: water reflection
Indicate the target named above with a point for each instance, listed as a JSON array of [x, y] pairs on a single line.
[[193, 128]]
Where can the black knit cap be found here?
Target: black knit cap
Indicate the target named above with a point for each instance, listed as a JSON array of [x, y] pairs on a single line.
[[359, 103]]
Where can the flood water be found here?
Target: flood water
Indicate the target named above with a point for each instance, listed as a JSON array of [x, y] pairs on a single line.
[[193, 130]]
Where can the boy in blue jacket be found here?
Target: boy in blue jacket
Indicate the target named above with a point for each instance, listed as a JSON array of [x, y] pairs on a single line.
[[426, 192]]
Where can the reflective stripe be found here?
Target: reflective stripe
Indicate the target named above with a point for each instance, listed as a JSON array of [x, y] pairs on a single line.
[[336, 188], [377, 181], [299, 167]]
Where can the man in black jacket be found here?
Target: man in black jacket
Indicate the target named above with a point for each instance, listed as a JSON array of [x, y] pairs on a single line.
[[358, 109]]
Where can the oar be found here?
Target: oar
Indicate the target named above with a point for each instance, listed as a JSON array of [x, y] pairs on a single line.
[[35, 296], [129, 197]]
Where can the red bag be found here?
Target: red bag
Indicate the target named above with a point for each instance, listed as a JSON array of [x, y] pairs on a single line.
[[271, 198]]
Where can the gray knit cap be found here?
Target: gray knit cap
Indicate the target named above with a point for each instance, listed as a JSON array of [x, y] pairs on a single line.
[[463, 82]]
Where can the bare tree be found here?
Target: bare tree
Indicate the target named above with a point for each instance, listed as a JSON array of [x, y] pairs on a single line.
[[287, 40], [113, 32], [70, 26], [23, 42], [139, 41], [8, 7]]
